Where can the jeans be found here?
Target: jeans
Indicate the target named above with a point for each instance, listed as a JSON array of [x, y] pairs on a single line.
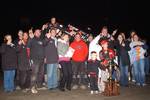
[[138, 67], [9, 76], [123, 74], [52, 81]]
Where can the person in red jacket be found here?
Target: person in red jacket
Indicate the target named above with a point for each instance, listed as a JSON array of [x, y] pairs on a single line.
[[78, 62]]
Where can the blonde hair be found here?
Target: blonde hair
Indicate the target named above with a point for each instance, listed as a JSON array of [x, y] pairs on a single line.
[[5, 38]]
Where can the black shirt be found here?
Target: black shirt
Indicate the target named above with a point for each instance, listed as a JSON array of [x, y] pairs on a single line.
[[36, 46]]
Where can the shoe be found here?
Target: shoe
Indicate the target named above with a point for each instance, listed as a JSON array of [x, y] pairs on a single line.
[[83, 87], [68, 88], [18, 88], [34, 91], [138, 84], [24, 91], [144, 84], [92, 92], [62, 89], [42, 88], [96, 92], [75, 87]]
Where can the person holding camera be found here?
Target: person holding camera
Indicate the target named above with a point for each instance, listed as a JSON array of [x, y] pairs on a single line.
[[9, 63]]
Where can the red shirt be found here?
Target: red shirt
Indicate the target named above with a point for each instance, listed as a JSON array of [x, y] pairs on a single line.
[[81, 50]]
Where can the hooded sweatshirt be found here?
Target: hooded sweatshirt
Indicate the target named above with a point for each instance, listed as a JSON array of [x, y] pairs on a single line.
[[81, 50]]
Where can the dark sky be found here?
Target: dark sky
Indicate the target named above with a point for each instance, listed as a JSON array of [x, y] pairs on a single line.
[[122, 14]]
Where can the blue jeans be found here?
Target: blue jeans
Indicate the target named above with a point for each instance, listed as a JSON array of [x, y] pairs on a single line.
[[138, 67], [52, 81], [123, 74], [9, 76]]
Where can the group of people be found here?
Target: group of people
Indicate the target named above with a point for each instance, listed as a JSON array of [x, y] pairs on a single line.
[[52, 58]]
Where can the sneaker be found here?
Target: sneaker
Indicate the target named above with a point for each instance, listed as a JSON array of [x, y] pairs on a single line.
[[75, 87], [24, 91], [62, 89], [34, 91], [92, 92], [144, 84], [68, 88], [138, 84], [42, 88], [83, 87], [96, 92], [18, 88]]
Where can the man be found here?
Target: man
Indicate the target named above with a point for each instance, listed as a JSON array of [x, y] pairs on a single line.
[[36, 53], [78, 62], [51, 59]]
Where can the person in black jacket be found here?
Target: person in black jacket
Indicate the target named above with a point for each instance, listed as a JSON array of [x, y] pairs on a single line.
[[23, 63], [51, 59], [9, 63], [122, 47], [35, 49], [92, 68]]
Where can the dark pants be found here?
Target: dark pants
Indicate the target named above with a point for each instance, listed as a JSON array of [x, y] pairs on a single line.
[[79, 73], [17, 77], [37, 74], [66, 70], [93, 83], [24, 79]]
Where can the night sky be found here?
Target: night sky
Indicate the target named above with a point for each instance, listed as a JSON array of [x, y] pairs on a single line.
[[122, 14]]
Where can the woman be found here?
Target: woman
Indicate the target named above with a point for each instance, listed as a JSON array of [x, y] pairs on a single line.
[[23, 63], [64, 61], [137, 59], [9, 63], [122, 48]]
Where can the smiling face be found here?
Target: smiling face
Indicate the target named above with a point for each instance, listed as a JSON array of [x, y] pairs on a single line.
[[135, 37], [25, 36], [53, 20], [104, 31], [65, 37], [104, 44], [77, 38], [120, 38], [53, 33], [37, 33], [93, 56]]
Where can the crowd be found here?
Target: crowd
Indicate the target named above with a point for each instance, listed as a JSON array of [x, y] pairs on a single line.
[[68, 58]]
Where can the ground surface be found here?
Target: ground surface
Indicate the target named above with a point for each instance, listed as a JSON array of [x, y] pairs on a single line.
[[127, 93]]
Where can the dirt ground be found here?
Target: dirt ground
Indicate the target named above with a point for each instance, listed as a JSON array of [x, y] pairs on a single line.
[[126, 93]]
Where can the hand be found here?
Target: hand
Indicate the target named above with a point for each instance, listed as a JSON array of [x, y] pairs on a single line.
[[8, 43], [31, 35], [48, 35], [20, 42], [112, 38], [123, 44], [114, 32], [44, 26], [45, 60]]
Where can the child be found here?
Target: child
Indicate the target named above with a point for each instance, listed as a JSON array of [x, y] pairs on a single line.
[[106, 55], [92, 68]]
